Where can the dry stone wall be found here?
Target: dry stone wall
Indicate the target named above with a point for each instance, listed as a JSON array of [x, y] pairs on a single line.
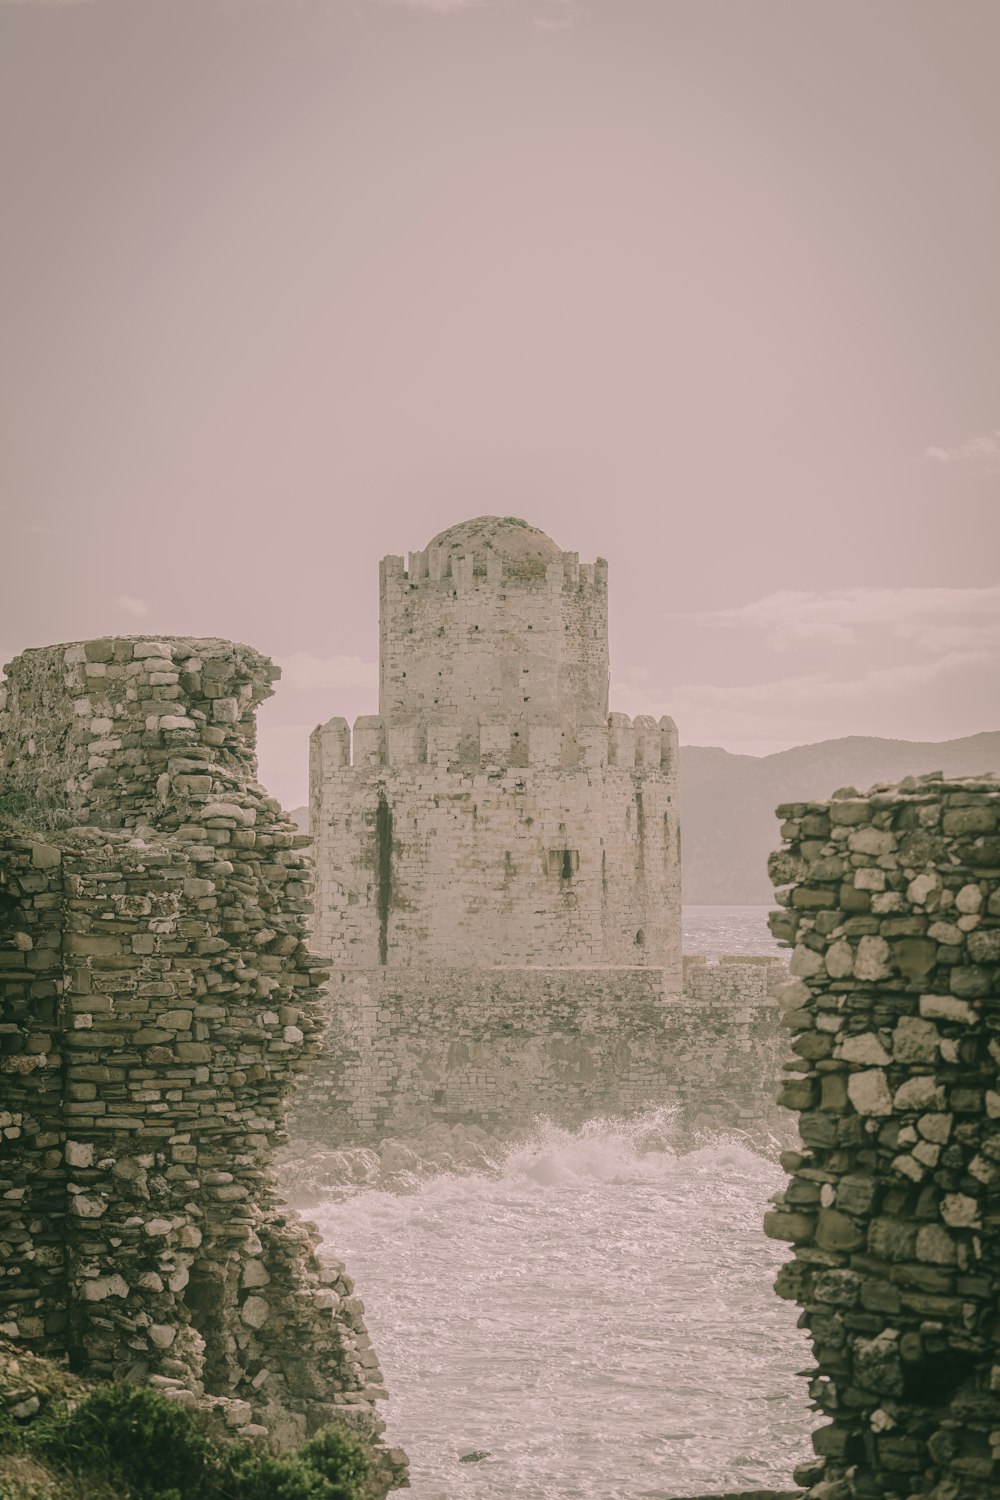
[[499, 1047], [158, 996], [123, 731], [892, 904]]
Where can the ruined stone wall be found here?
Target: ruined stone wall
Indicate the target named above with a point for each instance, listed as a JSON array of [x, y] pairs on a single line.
[[123, 731], [33, 1250], [892, 903], [527, 846], [158, 996], [500, 1047]]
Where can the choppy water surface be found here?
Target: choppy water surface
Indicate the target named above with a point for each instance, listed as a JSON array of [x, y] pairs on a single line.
[[597, 1313], [714, 930]]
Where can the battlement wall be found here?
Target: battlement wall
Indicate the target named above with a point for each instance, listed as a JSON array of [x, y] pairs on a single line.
[[891, 904], [490, 741], [461, 633], [427, 860], [439, 565]]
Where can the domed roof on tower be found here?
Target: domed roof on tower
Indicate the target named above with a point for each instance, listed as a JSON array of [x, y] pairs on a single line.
[[526, 550]]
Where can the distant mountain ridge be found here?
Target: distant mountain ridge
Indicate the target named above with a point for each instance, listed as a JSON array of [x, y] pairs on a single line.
[[728, 827]]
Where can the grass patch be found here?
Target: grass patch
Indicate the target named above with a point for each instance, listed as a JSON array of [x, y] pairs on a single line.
[[23, 812]]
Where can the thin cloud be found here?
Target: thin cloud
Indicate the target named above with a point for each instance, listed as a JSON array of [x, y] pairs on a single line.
[[561, 15], [437, 7], [930, 618], [982, 451], [127, 604], [306, 672], [911, 701], [556, 15]]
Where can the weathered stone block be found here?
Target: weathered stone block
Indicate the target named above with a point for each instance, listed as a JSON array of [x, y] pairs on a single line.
[[913, 1165], [836, 1231], [869, 1092]]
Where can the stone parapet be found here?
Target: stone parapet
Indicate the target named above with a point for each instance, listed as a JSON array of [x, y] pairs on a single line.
[[892, 907], [495, 742], [733, 979], [440, 566]]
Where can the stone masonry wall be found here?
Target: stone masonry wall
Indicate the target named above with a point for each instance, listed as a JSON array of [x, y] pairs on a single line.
[[468, 629], [157, 997], [430, 849], [499, 1047], [33, 1249], [104, 727], [892, 903], [735, 978]]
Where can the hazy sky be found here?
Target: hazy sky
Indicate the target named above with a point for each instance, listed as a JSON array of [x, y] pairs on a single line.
[[709, 289]]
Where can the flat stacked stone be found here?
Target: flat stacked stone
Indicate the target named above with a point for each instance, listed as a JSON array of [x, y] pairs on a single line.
[[892, 906], [158, 999]]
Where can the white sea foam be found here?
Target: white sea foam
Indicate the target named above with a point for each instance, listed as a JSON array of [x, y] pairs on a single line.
[[593, 1308]]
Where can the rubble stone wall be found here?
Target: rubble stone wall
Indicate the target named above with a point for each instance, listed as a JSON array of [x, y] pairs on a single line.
[[33, 1290], [892, 904], [106, 727], [158, 996], [500, 1047]]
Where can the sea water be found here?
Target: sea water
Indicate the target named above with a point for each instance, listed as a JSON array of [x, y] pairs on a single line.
[[714, 930], [592, 1309]]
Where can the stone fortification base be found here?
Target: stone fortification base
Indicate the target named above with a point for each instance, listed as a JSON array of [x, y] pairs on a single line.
[[495, 1049]]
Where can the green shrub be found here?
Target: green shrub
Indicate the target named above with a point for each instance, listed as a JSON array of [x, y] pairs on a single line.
[[152, 1449], [133, 1436], [252, 1475], [10, 1432], [333, 1466], [341, 1457]]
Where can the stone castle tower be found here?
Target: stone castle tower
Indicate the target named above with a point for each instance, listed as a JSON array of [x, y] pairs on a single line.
[[493, 813]]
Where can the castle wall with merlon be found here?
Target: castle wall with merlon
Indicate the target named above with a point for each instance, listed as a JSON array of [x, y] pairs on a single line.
[[477, 632], [493, 812], [498, 842]]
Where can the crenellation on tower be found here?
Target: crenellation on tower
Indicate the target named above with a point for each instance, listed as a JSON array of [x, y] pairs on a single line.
[[493, 616], [528, 826]]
